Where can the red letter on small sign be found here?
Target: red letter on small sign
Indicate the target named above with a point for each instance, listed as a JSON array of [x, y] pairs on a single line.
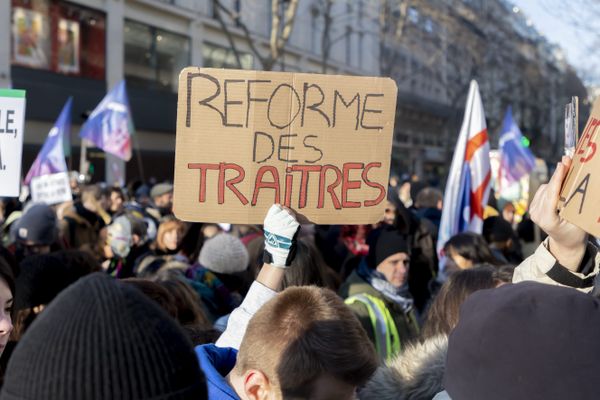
[[231, 182], [203, 168]]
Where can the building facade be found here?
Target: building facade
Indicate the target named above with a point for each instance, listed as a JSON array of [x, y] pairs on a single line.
[[81, 48], [446, 43]]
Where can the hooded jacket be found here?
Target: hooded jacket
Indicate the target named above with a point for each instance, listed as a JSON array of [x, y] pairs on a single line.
[[416, 374]]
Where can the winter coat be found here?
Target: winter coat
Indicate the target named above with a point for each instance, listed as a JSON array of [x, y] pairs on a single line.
[[216, 363], [406, 323], [415, 374], [542, 267]]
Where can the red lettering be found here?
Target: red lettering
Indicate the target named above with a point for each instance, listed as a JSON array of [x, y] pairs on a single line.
[[289, 182], [305, 169], [259, 183], [347, 184], [586, 142], [330, 188], [202, 186], [230, 183], [365, 178]]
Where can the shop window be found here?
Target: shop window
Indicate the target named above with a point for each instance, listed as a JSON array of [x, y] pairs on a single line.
[[153, 56], [60, 37], [216, 56]]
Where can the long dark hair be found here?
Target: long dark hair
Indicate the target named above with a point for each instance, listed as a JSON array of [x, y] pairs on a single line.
[[443, 314], [471, 246]]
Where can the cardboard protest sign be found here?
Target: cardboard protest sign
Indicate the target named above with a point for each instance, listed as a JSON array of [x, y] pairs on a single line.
[[51, 189], [580, 195], [320, 144], [12, 119]]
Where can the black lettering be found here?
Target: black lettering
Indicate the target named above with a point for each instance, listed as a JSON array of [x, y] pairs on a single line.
[[312, 147], [314, 106], [356, 98], [204, 102], [256, 134], [369, 110], [250, 99], [282, 147], [10, 113], [288, 123], [227, 102], [582, 188]]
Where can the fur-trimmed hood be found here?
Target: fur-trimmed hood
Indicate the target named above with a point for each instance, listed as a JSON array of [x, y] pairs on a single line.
[[416, 374]]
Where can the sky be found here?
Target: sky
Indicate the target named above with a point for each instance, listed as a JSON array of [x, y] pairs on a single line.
[[567, 23]]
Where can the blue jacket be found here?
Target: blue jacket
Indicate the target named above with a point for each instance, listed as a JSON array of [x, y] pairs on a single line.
[[217, 363]]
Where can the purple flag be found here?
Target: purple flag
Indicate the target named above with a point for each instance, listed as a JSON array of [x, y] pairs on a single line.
[[51, 159], [110, 125], [516, 160]]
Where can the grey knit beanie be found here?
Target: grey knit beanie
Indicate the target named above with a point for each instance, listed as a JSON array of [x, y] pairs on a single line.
[[103, 340], [224, 254]]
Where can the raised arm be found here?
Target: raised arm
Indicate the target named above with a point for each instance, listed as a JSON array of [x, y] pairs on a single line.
[[281, 230]]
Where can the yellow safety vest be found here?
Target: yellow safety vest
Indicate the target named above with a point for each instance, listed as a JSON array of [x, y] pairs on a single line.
[[387, 339]]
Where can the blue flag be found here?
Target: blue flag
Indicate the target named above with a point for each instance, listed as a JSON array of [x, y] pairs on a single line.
[[51, 159], [516, 160], [110, 125]]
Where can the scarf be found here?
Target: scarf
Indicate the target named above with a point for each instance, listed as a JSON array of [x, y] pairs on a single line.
[[377, 280]]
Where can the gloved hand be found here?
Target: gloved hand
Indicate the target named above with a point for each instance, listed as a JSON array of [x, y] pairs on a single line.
[[281, 230]]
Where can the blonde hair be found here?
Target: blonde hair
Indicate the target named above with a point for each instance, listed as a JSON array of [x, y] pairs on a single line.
[[167, 226]]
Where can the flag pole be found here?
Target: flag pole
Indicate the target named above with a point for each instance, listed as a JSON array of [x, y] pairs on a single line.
[[138, 154], [83, 159]]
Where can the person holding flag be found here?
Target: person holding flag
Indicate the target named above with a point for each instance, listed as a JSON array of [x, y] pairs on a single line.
[[51, 159], [110, 126], [468, 185]]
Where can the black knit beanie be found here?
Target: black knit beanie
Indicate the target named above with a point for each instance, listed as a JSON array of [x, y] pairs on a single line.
[[100, 339], [384, 243], [525, 341]]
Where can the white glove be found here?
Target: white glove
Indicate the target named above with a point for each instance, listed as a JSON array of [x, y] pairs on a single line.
[[281, 230]]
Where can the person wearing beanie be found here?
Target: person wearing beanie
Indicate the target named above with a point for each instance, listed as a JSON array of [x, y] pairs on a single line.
[[42, 277], [102, 340], [525, 341], [377, 291], [217, 274], [224, 254], [35, 232]]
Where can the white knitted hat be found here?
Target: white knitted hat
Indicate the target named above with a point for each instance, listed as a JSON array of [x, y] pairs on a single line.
[[224, 254]]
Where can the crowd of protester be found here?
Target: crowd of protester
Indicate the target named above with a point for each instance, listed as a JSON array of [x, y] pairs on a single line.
[[110, 296]]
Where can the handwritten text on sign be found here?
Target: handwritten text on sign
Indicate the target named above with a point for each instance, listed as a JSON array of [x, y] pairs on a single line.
[[581, 191], [51, 189], [319, 144], [12, 119]]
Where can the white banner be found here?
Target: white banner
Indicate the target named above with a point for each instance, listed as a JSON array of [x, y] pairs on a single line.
[[51, 189], [12, 120]]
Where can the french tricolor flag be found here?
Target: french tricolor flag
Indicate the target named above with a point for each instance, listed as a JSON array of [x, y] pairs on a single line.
[[468, 185]]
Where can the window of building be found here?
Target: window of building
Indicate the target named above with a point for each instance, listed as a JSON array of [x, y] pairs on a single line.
[[154, 56], [216, 56], [59, 37], [361, 39], [413, 15], [315, 30], [428, 25], [348, 40]]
